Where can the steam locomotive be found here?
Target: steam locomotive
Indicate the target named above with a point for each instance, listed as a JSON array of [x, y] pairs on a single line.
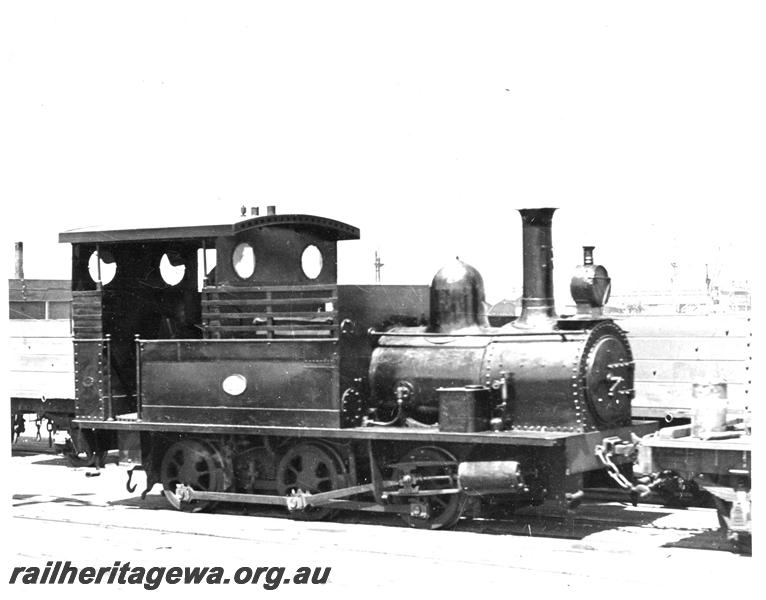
[[228, 364]]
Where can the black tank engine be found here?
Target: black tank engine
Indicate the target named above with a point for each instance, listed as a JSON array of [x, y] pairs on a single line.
[[228, 364]]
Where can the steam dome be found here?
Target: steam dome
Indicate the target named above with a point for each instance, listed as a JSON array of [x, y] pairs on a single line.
[[457, 299]]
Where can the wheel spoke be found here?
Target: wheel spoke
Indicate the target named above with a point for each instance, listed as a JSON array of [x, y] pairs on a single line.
[[445, 509], [310, 468], [193, 463]]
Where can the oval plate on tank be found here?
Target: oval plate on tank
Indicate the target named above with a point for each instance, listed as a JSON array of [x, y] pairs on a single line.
[[234, 385]]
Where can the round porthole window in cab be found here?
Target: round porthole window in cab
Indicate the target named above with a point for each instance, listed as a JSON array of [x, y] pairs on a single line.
[[243, 260], [311, 262], [172, 268], [102, 267]]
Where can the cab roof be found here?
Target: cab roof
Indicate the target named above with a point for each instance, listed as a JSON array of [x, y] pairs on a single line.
[[326, 228]]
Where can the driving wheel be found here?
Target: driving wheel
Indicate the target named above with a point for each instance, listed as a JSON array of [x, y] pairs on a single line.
[[440, 467], [194, 463], [313, 468]]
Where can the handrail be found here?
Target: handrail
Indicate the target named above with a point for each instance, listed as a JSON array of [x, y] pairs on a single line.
[[109, 407], [138, 376]]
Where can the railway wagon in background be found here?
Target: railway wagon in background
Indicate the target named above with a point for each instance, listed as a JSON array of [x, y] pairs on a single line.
[[674, 354], [41, 360]]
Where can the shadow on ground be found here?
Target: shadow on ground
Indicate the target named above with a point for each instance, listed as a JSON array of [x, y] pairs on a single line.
[[590, 518]]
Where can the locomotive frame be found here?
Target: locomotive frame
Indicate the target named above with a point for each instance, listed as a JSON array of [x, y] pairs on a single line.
[[271, 384]]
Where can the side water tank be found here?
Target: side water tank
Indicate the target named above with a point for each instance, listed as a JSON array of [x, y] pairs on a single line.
[[457, 299]]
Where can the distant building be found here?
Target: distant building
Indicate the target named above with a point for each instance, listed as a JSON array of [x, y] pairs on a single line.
[[684, 301]]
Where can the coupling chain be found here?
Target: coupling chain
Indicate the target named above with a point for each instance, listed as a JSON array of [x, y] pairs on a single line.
[[604, 452], [50, 427]]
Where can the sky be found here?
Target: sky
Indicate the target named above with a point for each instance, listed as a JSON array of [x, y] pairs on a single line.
[[425, 124]]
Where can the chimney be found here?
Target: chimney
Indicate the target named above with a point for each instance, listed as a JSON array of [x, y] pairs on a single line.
[[19, 260], [254, 211], [537, 303], [271, 210]]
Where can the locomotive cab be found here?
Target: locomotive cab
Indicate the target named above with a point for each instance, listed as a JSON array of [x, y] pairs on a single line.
[[124, 289], [241, 324]]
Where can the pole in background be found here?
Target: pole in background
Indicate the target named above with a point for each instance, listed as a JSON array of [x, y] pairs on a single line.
[[19, 260], [378, 264]]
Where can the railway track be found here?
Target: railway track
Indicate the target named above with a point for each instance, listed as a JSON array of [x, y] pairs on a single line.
[[606, 513], [58, 513], [603, 505]]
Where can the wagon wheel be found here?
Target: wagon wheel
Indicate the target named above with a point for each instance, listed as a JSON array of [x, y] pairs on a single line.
[[314, 468], [78, 450], [194, 463], [443, 509]]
